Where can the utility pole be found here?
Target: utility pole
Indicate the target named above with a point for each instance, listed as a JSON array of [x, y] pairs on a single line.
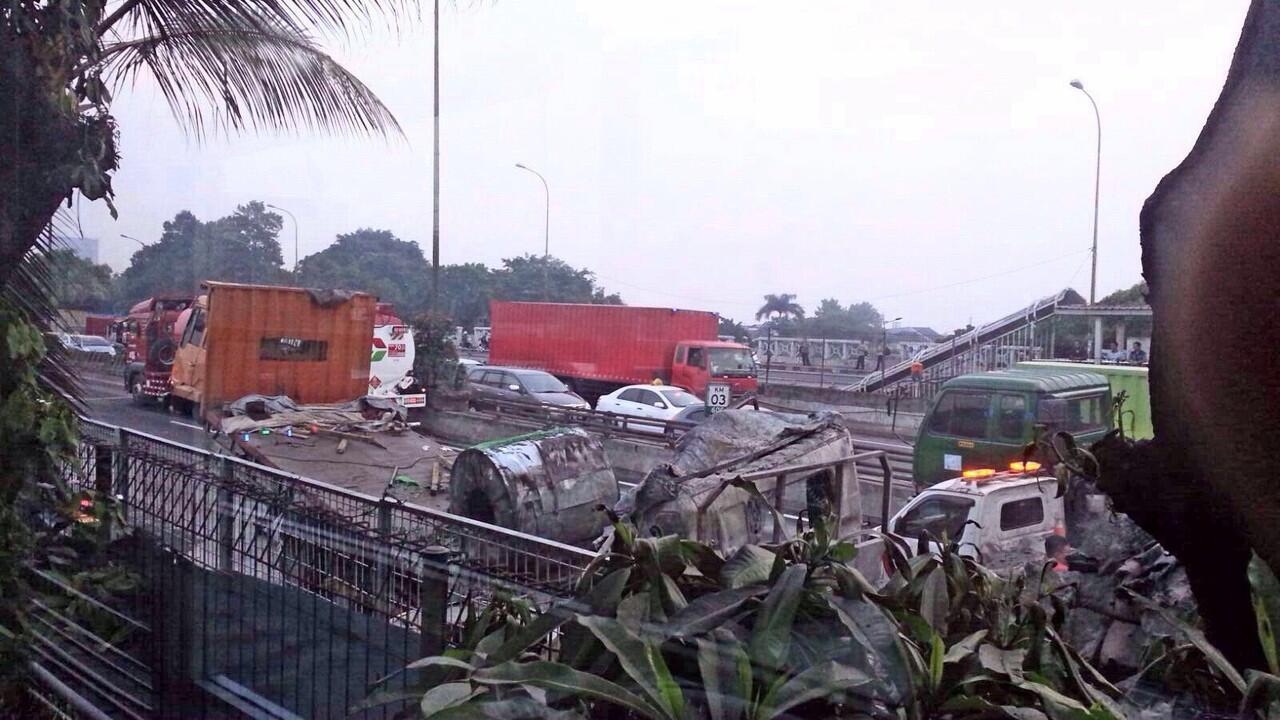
[[435, 168]]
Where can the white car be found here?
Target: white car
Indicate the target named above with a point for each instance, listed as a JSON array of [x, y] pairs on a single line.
[[88, 344], [652, 402]]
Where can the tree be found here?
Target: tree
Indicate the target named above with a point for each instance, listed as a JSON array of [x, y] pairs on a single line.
[[731, 327], [777, 306], [374, 261], [860, 321], [464, 293], [536, 278], [1135, 295], [80, 284], [241, 247]]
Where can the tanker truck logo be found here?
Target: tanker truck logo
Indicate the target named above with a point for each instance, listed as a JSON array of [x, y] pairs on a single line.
[[379, 350]]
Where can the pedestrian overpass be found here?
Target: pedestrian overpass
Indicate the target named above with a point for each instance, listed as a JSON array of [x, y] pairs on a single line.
[[1028, 334]]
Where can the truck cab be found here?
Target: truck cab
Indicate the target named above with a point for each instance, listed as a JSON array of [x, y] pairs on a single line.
[[698, 362], [148, 335], [984, 420], [999, 518]]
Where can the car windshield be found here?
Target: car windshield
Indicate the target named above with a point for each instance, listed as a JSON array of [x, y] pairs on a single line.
[[542, 383], [680, 398], [731, 360], [93, 341]]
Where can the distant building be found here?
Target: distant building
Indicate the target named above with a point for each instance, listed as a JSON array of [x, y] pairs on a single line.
[[85, 247]]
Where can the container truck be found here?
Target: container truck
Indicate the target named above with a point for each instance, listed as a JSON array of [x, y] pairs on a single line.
[[312, 345], [596, 349]]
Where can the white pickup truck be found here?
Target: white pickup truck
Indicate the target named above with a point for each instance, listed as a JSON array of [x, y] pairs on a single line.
[[999, 519]]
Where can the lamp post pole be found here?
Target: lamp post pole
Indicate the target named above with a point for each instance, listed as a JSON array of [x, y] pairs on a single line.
[[295, 238], [546, 232], [1097, 179], [130, 237]]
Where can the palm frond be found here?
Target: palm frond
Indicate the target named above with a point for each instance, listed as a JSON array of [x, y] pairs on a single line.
[[233, 75], [29, 291], [143, 18]]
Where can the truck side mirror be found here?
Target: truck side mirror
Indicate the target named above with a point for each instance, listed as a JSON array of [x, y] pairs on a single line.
[[1052, 412]]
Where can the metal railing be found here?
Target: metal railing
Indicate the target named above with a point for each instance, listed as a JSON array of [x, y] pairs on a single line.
[[1023, 335], [324, 565], [663, 432]]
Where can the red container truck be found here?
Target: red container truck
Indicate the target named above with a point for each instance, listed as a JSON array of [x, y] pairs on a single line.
[[599, 348]]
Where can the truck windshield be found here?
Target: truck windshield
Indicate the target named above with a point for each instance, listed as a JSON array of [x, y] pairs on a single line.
[[728, 361], [541, 383]]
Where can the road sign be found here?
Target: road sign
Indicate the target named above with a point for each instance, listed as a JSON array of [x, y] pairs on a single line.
[[717, 397]]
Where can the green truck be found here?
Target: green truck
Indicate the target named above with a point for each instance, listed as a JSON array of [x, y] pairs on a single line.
[[982, 422]]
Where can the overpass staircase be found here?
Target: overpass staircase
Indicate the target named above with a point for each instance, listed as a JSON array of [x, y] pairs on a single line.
[[1024, 335]]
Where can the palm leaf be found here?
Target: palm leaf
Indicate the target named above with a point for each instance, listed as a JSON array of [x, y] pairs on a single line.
[[233, 74]]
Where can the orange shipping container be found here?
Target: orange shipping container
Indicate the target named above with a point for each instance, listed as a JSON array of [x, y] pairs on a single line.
[[311, 345]]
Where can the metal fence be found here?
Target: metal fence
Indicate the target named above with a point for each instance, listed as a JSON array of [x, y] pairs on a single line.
[[293, 594]]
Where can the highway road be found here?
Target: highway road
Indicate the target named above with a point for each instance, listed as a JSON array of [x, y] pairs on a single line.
[[105, 400]]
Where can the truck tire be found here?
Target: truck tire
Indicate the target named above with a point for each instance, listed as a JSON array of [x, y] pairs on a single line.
[[135, 390], [163, 352]]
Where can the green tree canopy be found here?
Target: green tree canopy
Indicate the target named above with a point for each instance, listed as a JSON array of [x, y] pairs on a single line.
[[241, 247], [373, 261], [534, 277], [858, 321], [80, 284], [1135, 295], [464, 293]]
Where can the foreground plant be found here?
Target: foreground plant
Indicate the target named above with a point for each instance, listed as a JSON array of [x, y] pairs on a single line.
[[665, 628]]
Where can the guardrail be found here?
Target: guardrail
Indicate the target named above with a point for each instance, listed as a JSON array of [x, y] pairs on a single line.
[[226, 513], [667, 433]]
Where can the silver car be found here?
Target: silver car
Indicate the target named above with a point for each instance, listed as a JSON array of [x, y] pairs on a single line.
[[520, 385]]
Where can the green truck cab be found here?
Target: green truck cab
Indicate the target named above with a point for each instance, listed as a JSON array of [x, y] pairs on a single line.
[[984, 420]]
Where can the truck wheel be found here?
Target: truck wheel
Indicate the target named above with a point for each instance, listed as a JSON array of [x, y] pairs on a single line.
[[135, 390]]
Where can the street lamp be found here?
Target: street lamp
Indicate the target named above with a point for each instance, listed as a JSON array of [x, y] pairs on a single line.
[[130, 237], [295, 237], [884, 343], [546, 237], [1097, 178]]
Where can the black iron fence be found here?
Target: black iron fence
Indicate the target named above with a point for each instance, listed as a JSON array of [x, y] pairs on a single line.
[[282, 597]]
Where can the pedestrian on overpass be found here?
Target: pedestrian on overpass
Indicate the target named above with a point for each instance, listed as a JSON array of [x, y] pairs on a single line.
[[804, 353], [861, 358]]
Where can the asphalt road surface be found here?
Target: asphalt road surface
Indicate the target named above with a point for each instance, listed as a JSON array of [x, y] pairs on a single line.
[[106, 401]]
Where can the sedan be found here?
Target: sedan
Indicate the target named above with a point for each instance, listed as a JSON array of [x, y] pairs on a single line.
[[520, 385], [652, 402]]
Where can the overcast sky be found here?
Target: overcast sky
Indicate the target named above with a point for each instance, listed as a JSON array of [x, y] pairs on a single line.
[[933, 161]]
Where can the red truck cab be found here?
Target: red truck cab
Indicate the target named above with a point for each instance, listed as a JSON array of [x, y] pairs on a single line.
[[150, 346], [698, 362]]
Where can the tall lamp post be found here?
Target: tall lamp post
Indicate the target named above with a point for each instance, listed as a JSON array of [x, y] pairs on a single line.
[[546, 236], [295, 238], [130, 237], [1097, 178], [435, 162], [884, 344]]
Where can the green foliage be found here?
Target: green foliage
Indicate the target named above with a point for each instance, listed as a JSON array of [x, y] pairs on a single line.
[[80, 284], [374, 261], [780, 306], [536, 278], [1135, 295], [858, 321], [665, 628], [241, 247]]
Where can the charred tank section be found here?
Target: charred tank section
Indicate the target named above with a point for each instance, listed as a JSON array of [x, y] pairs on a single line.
[[547, 484], [694, 496]]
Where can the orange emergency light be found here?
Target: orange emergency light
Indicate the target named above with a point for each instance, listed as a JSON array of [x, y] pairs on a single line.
[[977, 473], [1028, 466]]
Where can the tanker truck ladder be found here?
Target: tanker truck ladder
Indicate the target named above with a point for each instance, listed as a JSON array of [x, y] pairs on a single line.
[[1023, 335]]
